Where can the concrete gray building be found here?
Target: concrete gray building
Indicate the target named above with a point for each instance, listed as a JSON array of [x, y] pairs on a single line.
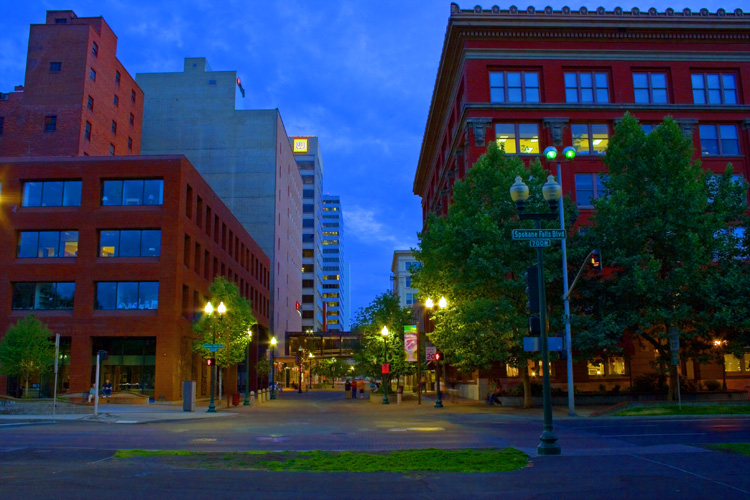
[[403, 260], [336, 291], [247, 159]]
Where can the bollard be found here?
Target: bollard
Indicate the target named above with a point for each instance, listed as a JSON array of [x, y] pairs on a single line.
[[263, 396], [252, 398], [260, 396]]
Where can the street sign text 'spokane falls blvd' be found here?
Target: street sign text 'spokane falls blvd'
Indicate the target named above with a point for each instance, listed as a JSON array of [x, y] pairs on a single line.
[[537, 234], [213, 347]]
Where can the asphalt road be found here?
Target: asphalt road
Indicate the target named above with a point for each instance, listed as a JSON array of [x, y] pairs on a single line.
[[605, 457]]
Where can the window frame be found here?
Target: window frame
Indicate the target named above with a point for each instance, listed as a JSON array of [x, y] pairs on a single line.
[[590, 138], [717, 127], [66, 305], [60, 251], [506, 88], [44, 182], [706, 89], [596, 186], [50, 123], [517, 138], [650, 87], [139, 294], [579, 87]]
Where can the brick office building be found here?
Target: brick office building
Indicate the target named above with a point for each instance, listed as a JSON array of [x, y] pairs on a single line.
[[531, 79], [77, 99], [118, 254]]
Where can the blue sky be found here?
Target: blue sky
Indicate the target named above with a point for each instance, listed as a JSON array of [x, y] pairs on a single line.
[[358, 74]]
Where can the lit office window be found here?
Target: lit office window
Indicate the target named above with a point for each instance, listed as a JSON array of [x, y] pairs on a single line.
[[518, 138]]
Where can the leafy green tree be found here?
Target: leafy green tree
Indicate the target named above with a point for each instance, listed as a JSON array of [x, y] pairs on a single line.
[[369, 321], [469, 257], [26, 350], [667, 232], [331, 368], [230, 329]]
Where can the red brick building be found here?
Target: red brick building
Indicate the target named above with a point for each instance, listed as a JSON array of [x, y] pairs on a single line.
[[118, 254], [77, 99], [531, 79]]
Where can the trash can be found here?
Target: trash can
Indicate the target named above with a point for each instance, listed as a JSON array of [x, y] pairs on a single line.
[[236, 398]]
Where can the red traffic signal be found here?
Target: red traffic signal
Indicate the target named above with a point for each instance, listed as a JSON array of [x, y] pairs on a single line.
[[209, 361], [438, 356], [596, 260]]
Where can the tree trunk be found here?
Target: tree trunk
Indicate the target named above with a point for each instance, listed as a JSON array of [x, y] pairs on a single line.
[[672, 393], [526, 387], [26, 391]]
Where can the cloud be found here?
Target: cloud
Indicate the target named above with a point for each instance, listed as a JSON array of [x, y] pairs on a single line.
[[362, 223]]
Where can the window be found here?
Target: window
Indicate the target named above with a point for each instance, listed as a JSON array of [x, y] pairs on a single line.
[[714, 88], [308, 253], [308, 179], [132, 119], [130, 243], [514, 86], [647, 127], [132, 96], [116, 101], [130, 148], [90, 104], [61, 20], [94, 49], [308, 223], [307, 299], [590, 139], [719, 140], [113, 127], [133, 192], [42, 244], [518, 138], [51, 194], [308, 268], [50, 123], [330, 233], [330, 242], [588, 188], [408, 281], [112, 149], [43, 296], [2, 124], [127, 295], [650, 88], [586, 87], [308, 209], [87, 131], [308, 314], [308, 238], [409, 299], [117, 78], [330, 276], [614, 366], [308, 283], [308, 193], [55, 67], [92, 75]]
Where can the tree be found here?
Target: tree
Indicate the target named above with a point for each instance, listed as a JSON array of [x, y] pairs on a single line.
[[230, 329], [369, 321], [667, 230], [330, 368], [26, 350], [469, 257]]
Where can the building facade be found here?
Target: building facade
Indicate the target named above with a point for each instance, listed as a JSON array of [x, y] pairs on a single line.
[[117, 254], [530, 79], [247, 159], [310, 165], [336, 291], [403, 260], [77, 98]]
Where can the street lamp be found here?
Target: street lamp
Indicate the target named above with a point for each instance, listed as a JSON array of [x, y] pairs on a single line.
[[209, 309], [719, 344], [442, 304], [550, 154], [247, 368], [273, 368], [299, 372], [309, 369], [384, 333], [519, 193]]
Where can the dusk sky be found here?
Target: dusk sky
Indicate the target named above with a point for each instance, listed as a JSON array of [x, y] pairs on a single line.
[[359, 75]]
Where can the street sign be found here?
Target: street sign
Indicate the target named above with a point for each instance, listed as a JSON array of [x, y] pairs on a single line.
[[533, 344], [429, 352], [535, 234], [213, 347], [539, 243]]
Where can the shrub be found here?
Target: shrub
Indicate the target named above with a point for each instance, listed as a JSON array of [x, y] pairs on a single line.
[[650, 382], [712, 385], [687, 385], [616, 389]]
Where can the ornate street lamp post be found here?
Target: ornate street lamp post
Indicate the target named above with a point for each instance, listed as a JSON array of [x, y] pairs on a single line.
[[551, 154], [442, 304], [519, 193], [384, 333], [273, 368], [209, 309], [247, 369]]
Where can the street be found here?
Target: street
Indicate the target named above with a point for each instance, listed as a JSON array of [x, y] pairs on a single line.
[[603, 457]]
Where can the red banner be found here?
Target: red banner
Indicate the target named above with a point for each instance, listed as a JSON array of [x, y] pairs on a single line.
[[386, 368]]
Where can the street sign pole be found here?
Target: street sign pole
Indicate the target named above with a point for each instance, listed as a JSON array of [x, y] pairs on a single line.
[[57, 357]]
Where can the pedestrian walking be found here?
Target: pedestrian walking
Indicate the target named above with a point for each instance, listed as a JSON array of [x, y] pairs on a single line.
[[354, 388], [361, 387], [347, 389]]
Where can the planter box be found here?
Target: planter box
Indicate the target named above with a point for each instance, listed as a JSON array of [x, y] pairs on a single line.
[[377, 397]]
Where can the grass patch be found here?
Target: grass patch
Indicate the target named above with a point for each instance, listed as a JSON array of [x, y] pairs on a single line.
[[685, 410], [738, 448], [155, 453], [403, 461]]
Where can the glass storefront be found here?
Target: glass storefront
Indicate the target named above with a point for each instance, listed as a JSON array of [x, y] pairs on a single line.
[[130, 363]]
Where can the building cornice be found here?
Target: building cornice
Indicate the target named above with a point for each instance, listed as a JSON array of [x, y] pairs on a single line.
[[609, 55]]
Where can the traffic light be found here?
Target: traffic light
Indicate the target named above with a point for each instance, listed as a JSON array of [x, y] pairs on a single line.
[[438, 356], [209, 362], [535, 326], [596, 260], [102, 355], [532, 289]]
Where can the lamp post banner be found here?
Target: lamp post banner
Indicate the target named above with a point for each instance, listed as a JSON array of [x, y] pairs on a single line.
[[410, 345]]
